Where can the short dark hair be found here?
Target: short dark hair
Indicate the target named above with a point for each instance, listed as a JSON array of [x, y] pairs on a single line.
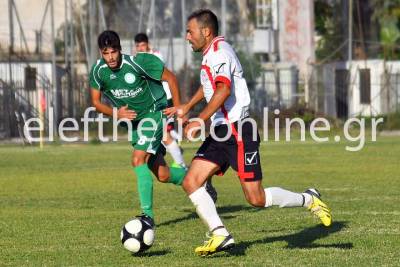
[[206, 18], [141, 37], [109, 38]]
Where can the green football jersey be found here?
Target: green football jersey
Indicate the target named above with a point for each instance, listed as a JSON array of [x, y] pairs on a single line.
[[136, 83]]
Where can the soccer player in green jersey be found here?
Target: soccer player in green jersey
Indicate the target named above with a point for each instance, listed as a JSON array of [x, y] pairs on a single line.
[[133, 85]]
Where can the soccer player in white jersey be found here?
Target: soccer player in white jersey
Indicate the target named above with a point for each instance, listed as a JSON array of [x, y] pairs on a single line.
[[142, 45], [225, 89]]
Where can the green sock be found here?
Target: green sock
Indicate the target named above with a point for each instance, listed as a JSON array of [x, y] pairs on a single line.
[[145, 189], [176, 175]]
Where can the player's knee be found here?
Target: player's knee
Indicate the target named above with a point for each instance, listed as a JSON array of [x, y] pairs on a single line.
[[185, 183], [188, 185], [137, 160], [163, 177]]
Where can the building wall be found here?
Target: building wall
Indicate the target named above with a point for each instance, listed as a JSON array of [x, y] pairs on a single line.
[[31, 14], [296, 33], [381, 89], [43, 69]]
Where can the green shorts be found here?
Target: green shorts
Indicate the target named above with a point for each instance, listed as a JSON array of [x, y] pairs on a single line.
[[147, 133]]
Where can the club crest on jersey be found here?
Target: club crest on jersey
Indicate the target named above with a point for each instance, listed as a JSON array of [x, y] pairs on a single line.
[[129, 78]]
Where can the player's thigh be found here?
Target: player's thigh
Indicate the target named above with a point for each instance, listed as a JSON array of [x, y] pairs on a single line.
[[254, 192], [243, 154], [148, 136], [198, 173]]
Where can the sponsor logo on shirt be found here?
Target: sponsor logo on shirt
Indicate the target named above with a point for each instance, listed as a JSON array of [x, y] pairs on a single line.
[[113, 76], [251, 158], [219, 68], [125, 93], [129, 78]]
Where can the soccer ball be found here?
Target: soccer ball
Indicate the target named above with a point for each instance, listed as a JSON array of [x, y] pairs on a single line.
[[137, 235]]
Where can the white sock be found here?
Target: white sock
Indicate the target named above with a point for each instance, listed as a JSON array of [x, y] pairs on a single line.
[[307, 199], [175, 152], [276, 196], [175, 135], [207, 211]]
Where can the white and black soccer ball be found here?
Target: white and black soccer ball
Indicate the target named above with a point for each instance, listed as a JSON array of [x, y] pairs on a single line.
[[137, 235]]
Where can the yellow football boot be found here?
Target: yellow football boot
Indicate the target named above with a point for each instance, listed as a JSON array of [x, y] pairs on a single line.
[[319, 208], [216, 243]]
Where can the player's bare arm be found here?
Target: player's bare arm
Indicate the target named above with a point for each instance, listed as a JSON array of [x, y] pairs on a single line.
[[123, 112], [172, 81], [222, 92], [183, 109], [198, 96]]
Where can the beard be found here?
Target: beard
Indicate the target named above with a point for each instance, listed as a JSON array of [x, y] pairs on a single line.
[[119, 60], [196, 49]]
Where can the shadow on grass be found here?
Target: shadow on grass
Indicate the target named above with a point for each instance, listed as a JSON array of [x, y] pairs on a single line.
[[301, 240], [221, 211], [152, 253]]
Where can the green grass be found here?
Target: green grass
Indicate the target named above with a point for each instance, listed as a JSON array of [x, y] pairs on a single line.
[[65, 206]]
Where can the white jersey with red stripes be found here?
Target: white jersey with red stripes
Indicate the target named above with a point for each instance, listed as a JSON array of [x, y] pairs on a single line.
[[220, 64]]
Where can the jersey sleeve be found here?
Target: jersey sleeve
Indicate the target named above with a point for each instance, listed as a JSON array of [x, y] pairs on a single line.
[[221, 66], [158, 54], [94, 79], [149, 65]]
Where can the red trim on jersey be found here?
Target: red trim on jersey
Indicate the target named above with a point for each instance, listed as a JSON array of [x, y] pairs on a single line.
[[224, 80], [216, 43], [216, 39], [210, 78], [240, 152]]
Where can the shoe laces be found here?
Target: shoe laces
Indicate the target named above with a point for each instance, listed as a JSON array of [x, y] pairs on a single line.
[[209, 235]]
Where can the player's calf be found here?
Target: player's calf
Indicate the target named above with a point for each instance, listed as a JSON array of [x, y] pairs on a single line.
[[256, 201], [254, 193]]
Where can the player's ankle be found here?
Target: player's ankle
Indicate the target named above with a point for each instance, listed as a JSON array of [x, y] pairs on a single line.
[[220, 230], [307, 200]]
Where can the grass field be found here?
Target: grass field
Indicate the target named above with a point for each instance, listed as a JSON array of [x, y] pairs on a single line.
[[65, 206]]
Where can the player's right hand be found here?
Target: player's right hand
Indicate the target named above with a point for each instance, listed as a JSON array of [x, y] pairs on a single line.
[[180, 111], [125, 113]]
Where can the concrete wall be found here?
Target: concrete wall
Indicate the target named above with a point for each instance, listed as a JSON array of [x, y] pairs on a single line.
[[379, 87]]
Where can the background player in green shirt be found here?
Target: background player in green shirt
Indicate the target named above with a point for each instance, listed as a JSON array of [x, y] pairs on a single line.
[[133, 85]]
